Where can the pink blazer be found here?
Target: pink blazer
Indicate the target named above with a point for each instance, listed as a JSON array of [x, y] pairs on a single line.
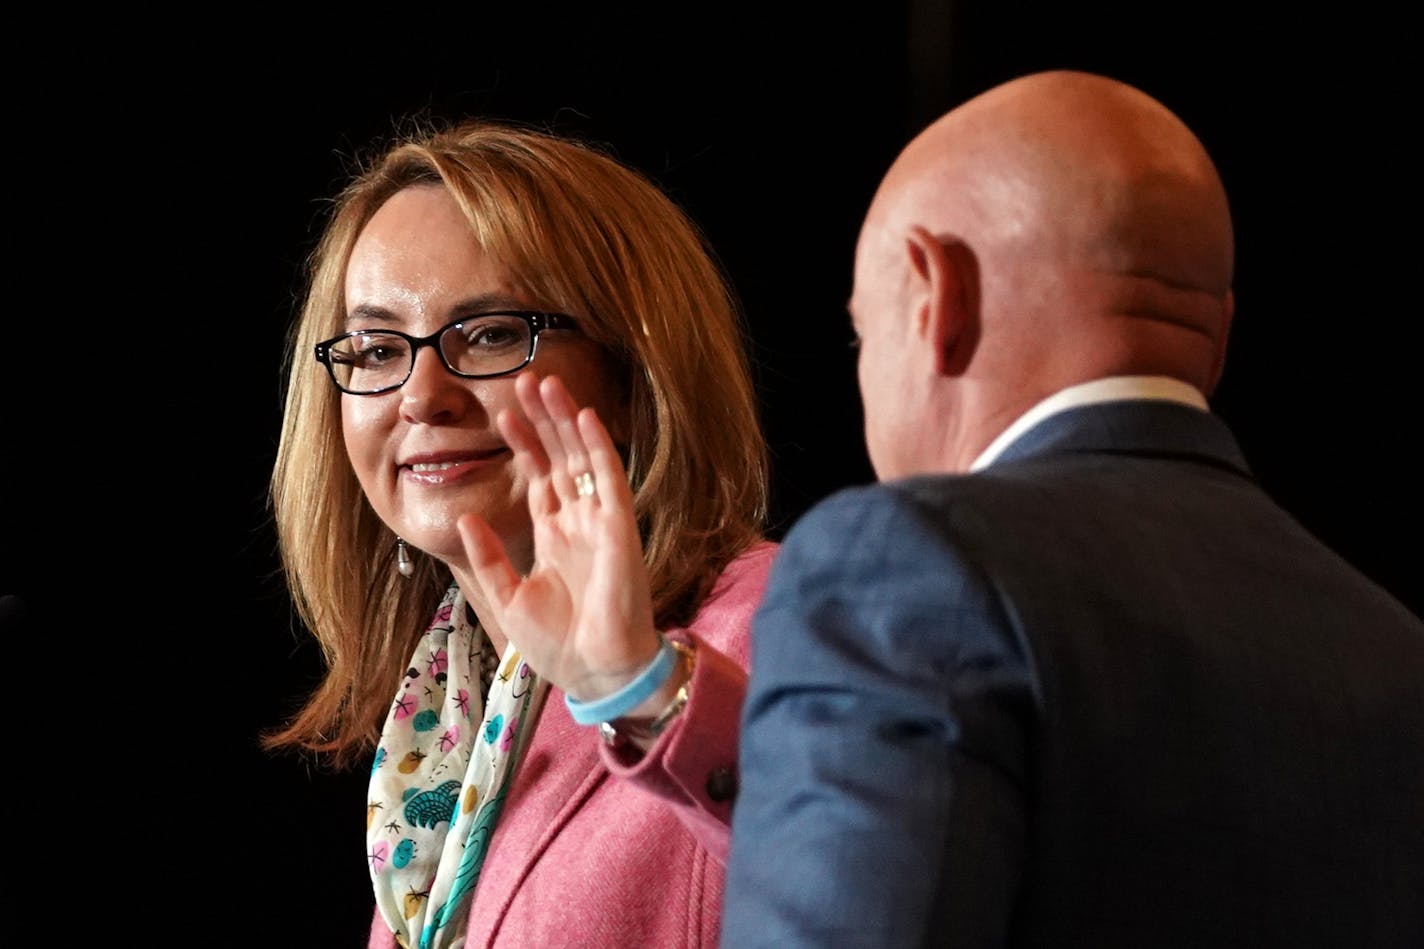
[[597, 850]]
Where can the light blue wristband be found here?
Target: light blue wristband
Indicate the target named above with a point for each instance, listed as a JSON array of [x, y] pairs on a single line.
[[629, 697]]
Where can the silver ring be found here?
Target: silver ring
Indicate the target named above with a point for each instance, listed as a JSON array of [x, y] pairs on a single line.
[[583, 484]]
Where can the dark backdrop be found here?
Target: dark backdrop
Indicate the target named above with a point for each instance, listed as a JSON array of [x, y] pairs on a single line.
[[200, 163]]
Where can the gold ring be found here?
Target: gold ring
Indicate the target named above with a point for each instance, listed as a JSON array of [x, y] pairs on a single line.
[[583, 484]]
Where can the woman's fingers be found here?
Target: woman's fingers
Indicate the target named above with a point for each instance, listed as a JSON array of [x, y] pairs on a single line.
[[604, 461], [488, 561], [552, 416], [564, 414], [531, 399], [530, 459]]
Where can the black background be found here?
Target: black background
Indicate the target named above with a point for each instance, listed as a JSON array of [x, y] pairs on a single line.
[[179, 180]]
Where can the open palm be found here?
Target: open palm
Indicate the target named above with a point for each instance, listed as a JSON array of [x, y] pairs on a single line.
[[582, 617]]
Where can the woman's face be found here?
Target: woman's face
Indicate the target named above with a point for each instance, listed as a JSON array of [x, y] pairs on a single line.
[[430, 451]]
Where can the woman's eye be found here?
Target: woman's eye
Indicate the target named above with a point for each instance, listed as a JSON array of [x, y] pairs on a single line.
[[495, 333], [491, 336], [375, 351]]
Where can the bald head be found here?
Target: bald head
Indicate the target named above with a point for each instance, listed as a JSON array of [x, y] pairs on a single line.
[[1086, 233], [1076, 166]]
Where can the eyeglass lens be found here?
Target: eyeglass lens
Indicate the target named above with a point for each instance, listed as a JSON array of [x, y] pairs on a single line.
[[479, 346]]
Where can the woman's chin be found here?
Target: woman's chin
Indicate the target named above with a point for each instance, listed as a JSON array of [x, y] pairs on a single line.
[[443, 542]]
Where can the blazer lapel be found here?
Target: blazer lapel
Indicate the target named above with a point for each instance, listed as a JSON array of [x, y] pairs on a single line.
[[559, 771]]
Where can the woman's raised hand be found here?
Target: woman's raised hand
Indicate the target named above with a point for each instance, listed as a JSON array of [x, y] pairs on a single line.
[[583, 616]]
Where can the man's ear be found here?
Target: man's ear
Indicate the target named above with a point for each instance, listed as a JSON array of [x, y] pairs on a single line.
[[942, 275]]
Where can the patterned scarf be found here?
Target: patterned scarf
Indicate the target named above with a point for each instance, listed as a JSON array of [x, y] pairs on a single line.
[[438, 781]]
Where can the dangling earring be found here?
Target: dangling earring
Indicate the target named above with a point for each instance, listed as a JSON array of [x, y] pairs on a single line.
[[404, 564]]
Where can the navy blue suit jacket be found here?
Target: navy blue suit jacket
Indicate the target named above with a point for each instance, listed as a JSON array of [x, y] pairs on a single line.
[[1102, 693]]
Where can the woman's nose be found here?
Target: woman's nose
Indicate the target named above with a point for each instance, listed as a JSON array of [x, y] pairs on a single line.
[[432, 392]]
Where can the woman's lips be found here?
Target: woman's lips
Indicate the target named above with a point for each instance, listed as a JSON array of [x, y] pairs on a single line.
[[432, 472]]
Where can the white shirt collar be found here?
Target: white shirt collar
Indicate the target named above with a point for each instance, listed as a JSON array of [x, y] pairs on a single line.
[[1111, 389]]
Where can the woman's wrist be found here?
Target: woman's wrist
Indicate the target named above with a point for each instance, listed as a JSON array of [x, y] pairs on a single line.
[[667, 693], [635, 694], [643, 725]]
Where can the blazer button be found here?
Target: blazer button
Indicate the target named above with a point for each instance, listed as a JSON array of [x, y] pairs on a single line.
[[721, 784]]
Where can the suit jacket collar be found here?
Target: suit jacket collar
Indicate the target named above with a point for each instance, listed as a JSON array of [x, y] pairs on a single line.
[[1140, 427]]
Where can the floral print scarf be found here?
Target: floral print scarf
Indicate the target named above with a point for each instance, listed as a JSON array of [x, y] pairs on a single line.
[[440, 775]]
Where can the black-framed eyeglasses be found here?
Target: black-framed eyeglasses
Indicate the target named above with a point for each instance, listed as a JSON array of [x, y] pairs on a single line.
[[368, 362]]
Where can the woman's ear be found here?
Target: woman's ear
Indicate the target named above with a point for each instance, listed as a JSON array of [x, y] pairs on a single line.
[[942, 275]]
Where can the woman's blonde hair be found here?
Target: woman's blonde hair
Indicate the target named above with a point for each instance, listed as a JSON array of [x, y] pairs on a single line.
[[580, 232]]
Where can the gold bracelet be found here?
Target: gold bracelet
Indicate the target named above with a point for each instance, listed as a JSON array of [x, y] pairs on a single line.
[[673, 710], [618, 733]]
